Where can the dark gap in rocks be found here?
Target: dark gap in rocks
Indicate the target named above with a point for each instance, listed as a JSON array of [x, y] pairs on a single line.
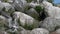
[[57, 27], [43, 15]]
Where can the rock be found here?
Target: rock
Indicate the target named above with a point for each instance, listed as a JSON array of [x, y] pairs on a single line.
[[2, 17], [50, 23], [46, 3], [1, 5], [25, 32], [58, 31], [38, 1], [32, 4], [39, 31], [33, 13], [6, 6], [1, 0], [25, 20], [20, 30], [51, 10], [19, 4], [3, 23]]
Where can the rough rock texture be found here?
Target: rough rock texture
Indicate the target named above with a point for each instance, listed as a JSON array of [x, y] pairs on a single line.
[[5, 6], [51, 23], [24, 19], [33, 13], [29, 17], [3, 23], [51, 10], [19, 4], [39, 31], [32, 4]]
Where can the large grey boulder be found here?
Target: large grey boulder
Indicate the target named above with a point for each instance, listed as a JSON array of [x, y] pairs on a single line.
[[1, 5], [39, 31], [3, 23], [51, 23], [25, 19], [51, 10], [37, 1], [2, 17], [20, 30]]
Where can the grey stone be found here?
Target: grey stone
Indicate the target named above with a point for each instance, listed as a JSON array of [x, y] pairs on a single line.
[[5, 6], [50, 23], [39, 31], [25, 19], [25, 32], [3, 23], [19, 4], [33, 13], [51, 10]]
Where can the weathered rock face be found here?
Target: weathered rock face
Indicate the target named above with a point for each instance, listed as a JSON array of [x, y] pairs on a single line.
[[1, 32], [51, 23], [25, 32], [39, 31], [54, 18], [24, 19], [3, 23], [23, 16], [20, 4], [51, 10], [5, 6], [1, 6], [20, 30], [33, 13]]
